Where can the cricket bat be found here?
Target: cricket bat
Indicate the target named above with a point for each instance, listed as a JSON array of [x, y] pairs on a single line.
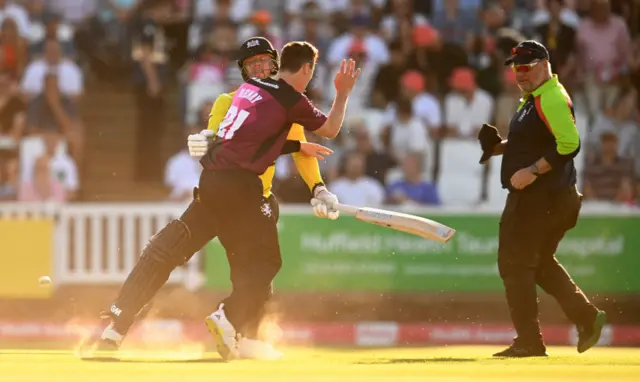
[[412, 224]]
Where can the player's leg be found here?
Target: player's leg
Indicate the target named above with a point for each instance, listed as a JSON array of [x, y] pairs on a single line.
[[252, 328], [171, 247], [249, 235], [556, 281], [520, 227]]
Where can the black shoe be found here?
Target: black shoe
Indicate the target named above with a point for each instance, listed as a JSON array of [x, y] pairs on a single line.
[[588, 336], [519, 351]]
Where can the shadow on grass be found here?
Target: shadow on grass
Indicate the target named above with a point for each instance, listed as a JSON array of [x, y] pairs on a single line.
[[396, 361]]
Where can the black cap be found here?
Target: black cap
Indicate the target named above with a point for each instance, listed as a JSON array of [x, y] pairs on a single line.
[[253, 47], [526, 52]]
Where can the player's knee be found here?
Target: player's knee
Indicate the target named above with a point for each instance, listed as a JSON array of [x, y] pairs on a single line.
[[168, 246]]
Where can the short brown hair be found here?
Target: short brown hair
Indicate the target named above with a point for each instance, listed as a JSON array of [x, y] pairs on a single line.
[[296, 54]]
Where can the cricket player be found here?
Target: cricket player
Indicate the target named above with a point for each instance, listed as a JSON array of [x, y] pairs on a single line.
[[542, 205], [258, 59], [232, 193], [180, 239]]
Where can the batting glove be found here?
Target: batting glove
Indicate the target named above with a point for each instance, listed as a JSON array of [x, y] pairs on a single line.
[[198, 144], [323, 203]]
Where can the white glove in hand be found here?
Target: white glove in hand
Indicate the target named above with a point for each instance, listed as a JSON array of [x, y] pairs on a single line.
[[198, 144], [323, 203]]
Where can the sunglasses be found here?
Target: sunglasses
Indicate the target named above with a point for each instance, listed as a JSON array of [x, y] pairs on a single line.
[[524, 68]]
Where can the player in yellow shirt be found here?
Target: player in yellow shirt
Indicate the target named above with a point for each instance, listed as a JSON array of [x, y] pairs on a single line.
[[258, 59]]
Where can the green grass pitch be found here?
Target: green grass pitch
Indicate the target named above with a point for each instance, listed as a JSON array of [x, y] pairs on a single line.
[[446, 364]]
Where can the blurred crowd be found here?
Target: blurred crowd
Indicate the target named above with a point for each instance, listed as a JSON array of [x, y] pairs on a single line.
[[41, 82], [432, 74]]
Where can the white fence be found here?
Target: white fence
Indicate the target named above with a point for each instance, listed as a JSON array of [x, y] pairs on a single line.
[[100, 243]]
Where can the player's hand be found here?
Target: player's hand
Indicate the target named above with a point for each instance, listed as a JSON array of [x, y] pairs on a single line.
[[198, 144], [315, 150], [323, 203], [522, 178], [346, 77]]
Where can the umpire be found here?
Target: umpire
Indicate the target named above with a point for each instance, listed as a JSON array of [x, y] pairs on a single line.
[[542, 205]]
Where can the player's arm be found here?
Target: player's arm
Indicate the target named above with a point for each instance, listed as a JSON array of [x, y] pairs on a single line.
[[219, 111], [307, 166], [555, 111], [333, 124]]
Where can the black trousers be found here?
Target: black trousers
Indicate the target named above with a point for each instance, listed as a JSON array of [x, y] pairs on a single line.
[[245, 233], [245, 223], [532, 225]]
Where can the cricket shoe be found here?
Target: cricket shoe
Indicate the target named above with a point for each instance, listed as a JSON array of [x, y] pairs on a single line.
[[588, 336], [223, 333], [102, 343], [520, 351], [256, 349]]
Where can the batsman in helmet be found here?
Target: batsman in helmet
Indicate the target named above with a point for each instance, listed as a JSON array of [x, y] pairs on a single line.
[[177, 242]]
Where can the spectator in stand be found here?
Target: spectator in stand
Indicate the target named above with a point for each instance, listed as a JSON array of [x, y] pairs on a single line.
[[608, 176], [426, 107], [52, 29], [261, 24], [12, 10], [355, 187], [12, 125], [387, 80], [53, 86], [604, 52], [150, 65], [8, 175], [13, 49], [559, 38], [412, 189], [116, 18], [455, 25], [371, 51], [53, 62], [308, 25], [182, 172], [402, 12], [568, 15], [61, 165], [517, 17], [467, 107], [203, 77], [42, 187], [361, 31], [12, 111], [622, 120], [201, 30], [377, 162], [406, 133]]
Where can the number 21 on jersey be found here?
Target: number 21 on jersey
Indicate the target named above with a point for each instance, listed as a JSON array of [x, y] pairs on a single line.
[[232, 122]]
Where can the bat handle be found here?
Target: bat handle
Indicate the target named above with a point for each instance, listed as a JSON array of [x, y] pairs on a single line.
[[346, 209]]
